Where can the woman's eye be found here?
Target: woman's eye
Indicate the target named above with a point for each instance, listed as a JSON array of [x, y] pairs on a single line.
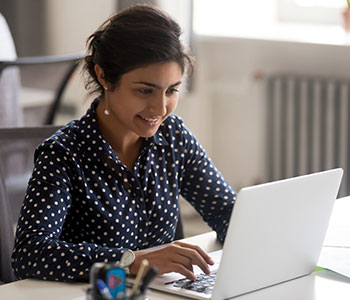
[[145, 91], [172, 91]]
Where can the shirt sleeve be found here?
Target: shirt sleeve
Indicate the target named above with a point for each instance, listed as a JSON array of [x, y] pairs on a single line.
[[39, 250], [205, 187]]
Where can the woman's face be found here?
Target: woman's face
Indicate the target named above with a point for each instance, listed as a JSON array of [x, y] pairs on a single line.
[[144, 98]]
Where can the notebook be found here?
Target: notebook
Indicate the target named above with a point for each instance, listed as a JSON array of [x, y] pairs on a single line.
[[275, 234]]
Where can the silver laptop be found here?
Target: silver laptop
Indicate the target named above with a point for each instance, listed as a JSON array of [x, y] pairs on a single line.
[[275, 234]]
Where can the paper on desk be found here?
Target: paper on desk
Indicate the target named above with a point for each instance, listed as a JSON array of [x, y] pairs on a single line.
[[336, 259], [335, 254], [338, 234]]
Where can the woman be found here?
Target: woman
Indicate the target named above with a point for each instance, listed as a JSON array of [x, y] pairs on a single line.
[[109, 183]]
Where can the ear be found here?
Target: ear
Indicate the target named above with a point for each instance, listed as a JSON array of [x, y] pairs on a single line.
[[100, 75]]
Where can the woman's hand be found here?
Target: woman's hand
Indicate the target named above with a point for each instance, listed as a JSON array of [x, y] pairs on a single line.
[[176, 257]]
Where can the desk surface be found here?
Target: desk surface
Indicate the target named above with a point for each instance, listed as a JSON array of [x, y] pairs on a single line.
[[321, 285], [31, 289]]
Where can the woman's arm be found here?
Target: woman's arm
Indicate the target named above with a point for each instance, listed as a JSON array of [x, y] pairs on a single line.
[[40, 249], [204, 186]]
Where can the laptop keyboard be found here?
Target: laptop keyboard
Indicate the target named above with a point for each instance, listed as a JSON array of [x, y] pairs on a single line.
[[203, 284]]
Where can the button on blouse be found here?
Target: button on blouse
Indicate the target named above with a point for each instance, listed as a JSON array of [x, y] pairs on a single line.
[[83, 205]]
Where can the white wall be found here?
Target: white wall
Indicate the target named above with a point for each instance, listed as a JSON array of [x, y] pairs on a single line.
[[227, 109], [71, 22]]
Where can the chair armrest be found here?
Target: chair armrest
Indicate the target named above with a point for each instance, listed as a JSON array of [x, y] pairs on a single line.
[[37, 60]]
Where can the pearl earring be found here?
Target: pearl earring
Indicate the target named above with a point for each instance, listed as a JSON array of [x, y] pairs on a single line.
[[106, 111]]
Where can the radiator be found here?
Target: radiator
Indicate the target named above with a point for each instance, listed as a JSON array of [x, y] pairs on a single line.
[[308, 121]]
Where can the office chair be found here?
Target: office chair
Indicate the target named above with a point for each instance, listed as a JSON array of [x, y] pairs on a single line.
[[6, 234], [45, 76], [179, 232], [17, 145]]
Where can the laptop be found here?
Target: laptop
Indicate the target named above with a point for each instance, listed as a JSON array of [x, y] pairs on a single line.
[[275, 234]]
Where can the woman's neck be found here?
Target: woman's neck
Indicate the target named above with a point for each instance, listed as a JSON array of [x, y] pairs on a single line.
[[126, 145]]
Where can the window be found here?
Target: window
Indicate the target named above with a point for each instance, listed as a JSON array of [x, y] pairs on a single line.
[[227, 17], [311, 11], [316, 21]]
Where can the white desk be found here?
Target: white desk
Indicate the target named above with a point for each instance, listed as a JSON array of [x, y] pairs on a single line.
[[31, 289], [321, 285]]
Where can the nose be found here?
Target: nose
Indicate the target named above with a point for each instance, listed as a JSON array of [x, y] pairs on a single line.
[[158, 105]]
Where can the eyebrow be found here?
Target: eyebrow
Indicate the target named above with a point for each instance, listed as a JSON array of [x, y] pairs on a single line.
[[150, 84]]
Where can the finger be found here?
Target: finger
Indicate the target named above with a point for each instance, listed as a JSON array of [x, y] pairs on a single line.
[[188, 273], [194, 257], [184, 260], [203, 254], [188, 265], [182, 266]]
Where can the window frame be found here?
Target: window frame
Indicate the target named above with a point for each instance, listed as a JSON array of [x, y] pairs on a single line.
[[290, 11]]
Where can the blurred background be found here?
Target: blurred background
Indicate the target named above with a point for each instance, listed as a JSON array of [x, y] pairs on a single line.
[[270, 96]]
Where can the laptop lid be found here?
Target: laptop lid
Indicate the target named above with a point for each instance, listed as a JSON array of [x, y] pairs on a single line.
[[276, 232]]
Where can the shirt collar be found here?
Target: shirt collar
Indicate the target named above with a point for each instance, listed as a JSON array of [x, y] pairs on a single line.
[[158, 137]]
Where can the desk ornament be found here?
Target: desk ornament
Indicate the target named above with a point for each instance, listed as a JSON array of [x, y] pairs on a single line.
[[108, 281]]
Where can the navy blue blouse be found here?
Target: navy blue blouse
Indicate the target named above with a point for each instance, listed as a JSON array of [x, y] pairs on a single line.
[[83, 205]]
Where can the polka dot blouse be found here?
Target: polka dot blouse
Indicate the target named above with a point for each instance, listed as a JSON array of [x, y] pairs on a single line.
[[83, 205]]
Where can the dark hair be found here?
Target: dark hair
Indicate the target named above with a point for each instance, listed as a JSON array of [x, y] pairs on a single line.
[[133, 38]]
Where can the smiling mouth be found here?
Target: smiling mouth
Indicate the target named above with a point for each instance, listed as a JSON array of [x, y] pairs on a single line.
[[151, 120]]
